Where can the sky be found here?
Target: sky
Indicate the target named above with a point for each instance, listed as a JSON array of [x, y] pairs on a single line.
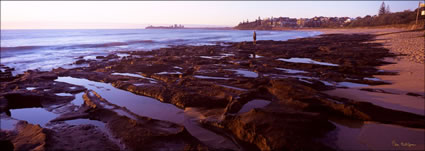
[[139, 14]]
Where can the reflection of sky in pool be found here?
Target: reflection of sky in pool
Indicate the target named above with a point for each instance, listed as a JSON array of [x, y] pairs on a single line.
[[377, 136], [351, 84], [63, 94], [209, 77], [33, 115], [135, 75], [169, 72], [31, 88], [130, 75], [372, 79], [256, 103], [291, 70], [306, 60], [138, 104], [78, 101], [230, 87], [7, 124], [148, 107], [245, 73]]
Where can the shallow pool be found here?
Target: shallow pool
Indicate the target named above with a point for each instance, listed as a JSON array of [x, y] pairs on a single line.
[[33, 115], [306, 60]]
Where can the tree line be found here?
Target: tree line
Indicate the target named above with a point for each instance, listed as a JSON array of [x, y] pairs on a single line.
[[385, 17]]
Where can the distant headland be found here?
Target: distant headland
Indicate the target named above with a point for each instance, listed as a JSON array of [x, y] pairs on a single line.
[[179, 26], [175, 26]]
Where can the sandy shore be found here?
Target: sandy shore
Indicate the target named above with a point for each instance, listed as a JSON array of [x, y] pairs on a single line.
[[399, 42], [410, 68], [405, 93]]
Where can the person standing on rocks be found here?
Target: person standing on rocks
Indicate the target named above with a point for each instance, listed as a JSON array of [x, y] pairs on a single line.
[[255, 37]]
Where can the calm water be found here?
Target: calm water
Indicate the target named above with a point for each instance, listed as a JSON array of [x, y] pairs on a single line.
[[149, 107], [47, 49]]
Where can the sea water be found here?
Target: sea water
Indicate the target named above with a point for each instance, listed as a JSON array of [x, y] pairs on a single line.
[[48, 49]]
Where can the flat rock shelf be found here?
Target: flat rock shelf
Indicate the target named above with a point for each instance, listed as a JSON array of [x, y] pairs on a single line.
[[230, 96]]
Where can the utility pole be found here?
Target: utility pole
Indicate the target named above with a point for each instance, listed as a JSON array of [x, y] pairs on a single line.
[[417, 13]]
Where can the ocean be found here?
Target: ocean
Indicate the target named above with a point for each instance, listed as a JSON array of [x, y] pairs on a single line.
[[47, 49]]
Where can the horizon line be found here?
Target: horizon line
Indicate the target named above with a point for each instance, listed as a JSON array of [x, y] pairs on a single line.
[[103, 28], [142, 26]]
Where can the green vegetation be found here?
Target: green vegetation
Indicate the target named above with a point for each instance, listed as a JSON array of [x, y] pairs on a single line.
[[384, 18], [405, 17]]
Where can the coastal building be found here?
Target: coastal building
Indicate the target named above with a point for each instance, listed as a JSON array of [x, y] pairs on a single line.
[[301, 22], [347, 21], [271, 22]]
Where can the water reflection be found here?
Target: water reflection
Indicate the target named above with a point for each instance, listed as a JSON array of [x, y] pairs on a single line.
[[256, 103], [149, 107], [135, 75], [141, 105], [63, 94], [351, 84], [78, 101], [376, 136], [245, 73], [7, 123], [291, 70], [33, 115], [306, 60], [372, 79], [131, 75], [212, 57], [230, 87], [31, 88], [209, 77], [169, 72]]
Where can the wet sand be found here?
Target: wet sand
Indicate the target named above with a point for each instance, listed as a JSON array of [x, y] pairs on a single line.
[[355, 135], [406, 91]]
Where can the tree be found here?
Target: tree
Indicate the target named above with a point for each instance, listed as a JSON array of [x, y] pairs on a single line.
[[382, 10], [387, 10], [259, 21]]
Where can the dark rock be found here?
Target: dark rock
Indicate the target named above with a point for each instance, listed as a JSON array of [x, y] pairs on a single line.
[[280, 130], [78, 137], [18, 100], [28, 137], [326, 49], [141, 133], [413, 94], [100, 57], [81, 61], [6, 145]]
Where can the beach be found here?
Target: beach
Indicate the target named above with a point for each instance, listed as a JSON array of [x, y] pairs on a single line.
[[339, 90], [406, 90]]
